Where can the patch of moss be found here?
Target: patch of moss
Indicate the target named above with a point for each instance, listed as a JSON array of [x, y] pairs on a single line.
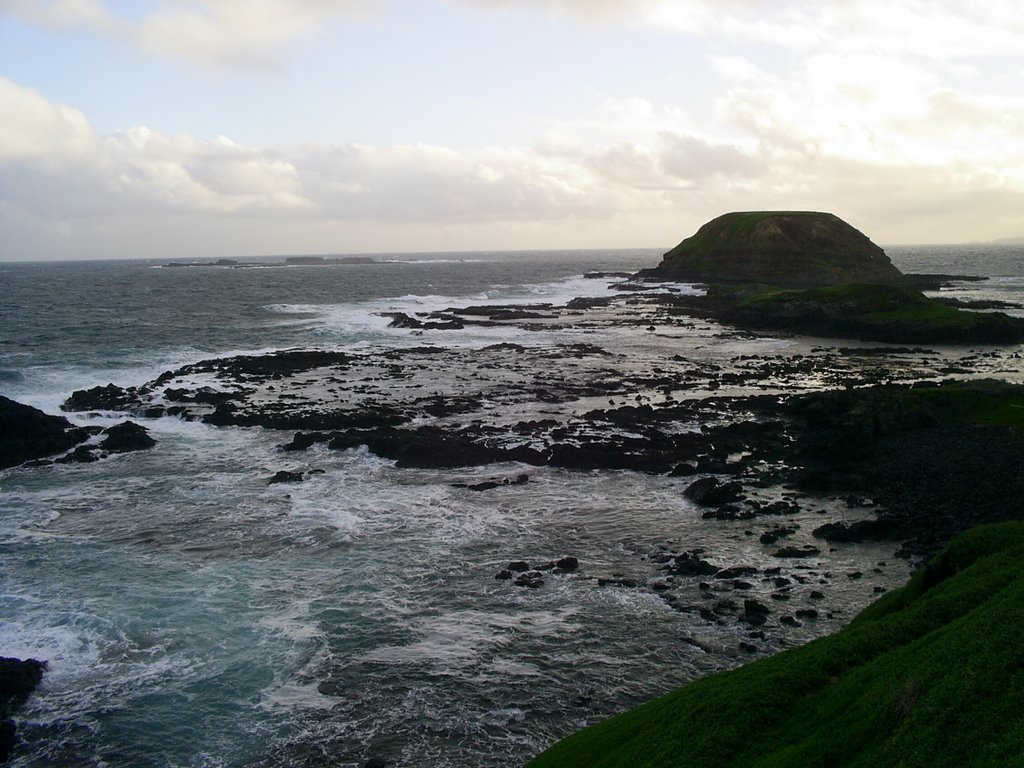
[[931, 675]]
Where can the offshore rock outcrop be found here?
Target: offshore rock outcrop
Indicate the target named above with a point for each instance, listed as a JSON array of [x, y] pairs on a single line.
[[18, 678], [26, 433], [781, 248]]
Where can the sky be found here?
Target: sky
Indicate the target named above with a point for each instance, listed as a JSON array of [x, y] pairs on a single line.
[[232, 128]]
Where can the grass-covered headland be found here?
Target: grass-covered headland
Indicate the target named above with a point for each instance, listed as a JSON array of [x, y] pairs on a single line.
[[930, 675]]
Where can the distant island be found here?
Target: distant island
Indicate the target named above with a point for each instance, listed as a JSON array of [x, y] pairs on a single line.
[[289, 261]]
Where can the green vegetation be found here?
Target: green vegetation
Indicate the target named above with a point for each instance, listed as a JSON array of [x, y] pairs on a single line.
[[869, 311], [789, 248], [931, 675], [733, 230]]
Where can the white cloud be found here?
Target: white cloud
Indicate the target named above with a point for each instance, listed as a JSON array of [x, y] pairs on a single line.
[[204, 33], [37, 129]]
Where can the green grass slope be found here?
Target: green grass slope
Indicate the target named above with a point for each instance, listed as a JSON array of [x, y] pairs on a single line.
[[793, 248], [930, 675], [869, 311]]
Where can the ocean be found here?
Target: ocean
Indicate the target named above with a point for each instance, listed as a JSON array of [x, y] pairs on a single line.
[[194, 615]]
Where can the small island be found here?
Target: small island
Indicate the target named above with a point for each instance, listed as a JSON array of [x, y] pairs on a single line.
[[812, 273]]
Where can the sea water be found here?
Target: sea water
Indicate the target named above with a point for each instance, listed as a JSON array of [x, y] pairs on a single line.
[[193, 615]]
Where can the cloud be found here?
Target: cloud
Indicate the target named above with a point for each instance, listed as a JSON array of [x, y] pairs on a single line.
[[90, 14], [39, 130], [590, 10], [203, 33]]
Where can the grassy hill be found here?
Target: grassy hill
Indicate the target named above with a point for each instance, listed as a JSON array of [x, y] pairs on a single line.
[[788, 248], [930, 675]]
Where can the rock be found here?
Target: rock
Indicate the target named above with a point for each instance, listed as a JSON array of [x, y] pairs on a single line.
[[690, 564], [518, 566], [125, 437], [754, 613], [567, 564], [531, 579], [776, 533], [736, 571], [108, 398], [503, 575], [26, 433], [864, 530], [712, 492], [807, 613], [805, 551], [375, 762], [284, 476], [618, 581], [18, 678], [784, 248]]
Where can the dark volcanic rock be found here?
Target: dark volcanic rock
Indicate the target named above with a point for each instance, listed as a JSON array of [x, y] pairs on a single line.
[[126, 436], [284, 476], [712, 492], [864, 530], [108, 398], [785, 248], [26, 433], [18, 678], [691, 564]]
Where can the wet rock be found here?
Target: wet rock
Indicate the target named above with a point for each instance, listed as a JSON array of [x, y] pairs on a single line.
[[530, 579], [304, 440], [691, 564], [107, 398], [375, 762], [729, 513], [566, 565], [83, 454], [797, 552], [864, 530], [807, 613], [125, 437], [754, 613], [26, 433], [712, 492], [402, 320], [518, 566], [285, 476], [18, 678], [503, 575], [618, 581], [736, 571], [776, 533]]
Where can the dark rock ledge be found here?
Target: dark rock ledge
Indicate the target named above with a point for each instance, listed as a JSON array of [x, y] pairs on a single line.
[[29, 436], [18, 679]]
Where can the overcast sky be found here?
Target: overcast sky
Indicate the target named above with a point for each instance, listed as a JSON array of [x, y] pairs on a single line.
[[210, 128]]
